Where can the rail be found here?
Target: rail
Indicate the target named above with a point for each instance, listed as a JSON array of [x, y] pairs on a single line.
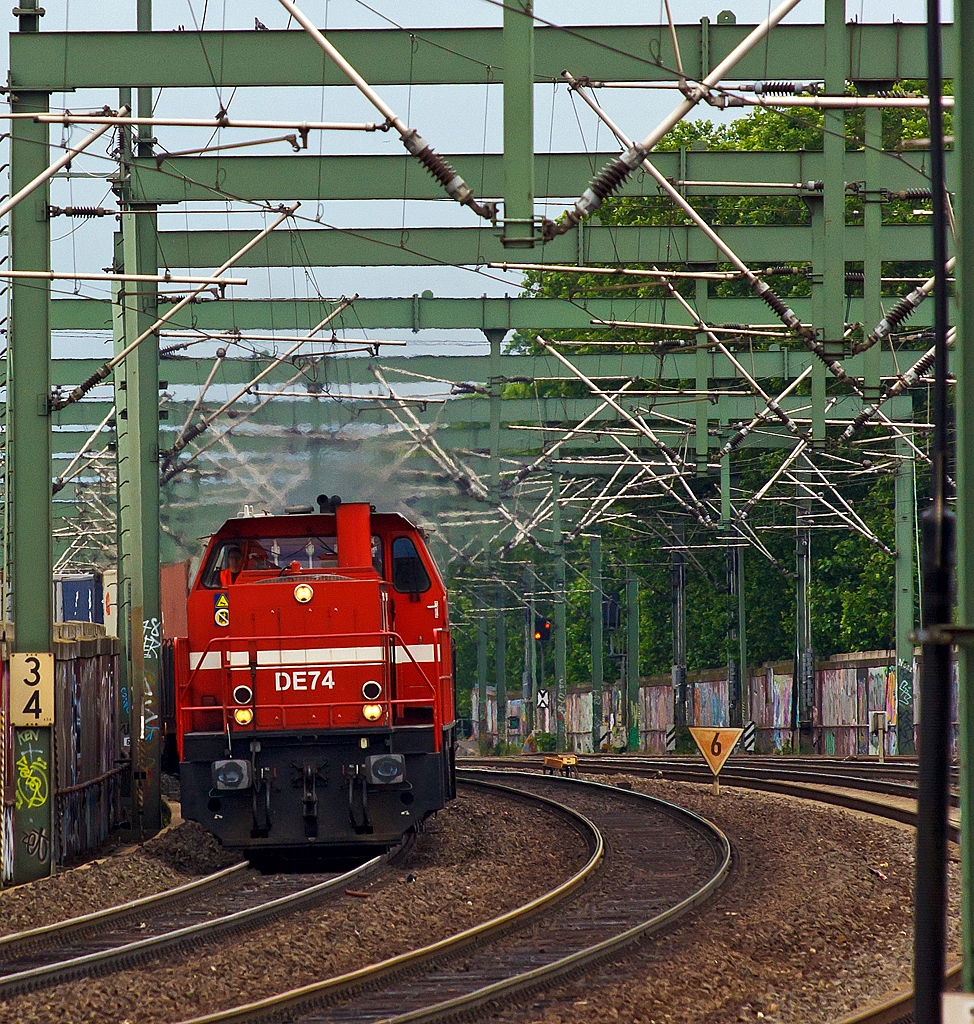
[[102, 960], [290, 1005], [17, 944], [896, 1008]]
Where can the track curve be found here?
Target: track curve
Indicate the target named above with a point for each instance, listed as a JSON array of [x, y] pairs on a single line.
[[603, 918], [111, 940], [823, 780]]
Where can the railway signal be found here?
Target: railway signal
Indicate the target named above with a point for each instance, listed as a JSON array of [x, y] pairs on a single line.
[[715, 745], [542, 629]]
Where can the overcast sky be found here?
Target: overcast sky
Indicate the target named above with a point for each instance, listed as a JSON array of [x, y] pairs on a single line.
[[455, 119], [215, 14]]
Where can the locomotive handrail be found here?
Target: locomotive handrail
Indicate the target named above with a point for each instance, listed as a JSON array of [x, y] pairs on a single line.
[[379, 637]]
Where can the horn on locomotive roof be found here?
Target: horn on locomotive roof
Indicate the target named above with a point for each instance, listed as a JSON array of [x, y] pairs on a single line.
[[326, 504]]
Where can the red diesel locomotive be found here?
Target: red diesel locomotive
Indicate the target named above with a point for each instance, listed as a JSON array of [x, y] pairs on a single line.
[[314, 693]]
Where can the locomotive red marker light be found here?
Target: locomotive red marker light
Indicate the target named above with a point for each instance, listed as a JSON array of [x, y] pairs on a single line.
[[371, 690], [243, 694]]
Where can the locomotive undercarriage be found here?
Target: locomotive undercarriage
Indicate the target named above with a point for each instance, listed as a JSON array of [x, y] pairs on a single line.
[[336, 789]]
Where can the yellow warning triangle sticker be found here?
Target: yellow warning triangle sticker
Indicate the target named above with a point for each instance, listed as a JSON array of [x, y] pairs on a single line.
[[222, 601], [715, 744]]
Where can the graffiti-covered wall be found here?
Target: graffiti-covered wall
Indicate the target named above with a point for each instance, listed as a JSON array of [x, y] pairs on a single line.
[[75, 787], [848, 689]]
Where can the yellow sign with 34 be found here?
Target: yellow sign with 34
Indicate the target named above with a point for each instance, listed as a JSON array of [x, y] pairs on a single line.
[[32, 689]]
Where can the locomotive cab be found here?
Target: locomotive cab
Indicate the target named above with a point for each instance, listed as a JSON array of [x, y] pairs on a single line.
[[314, 693]]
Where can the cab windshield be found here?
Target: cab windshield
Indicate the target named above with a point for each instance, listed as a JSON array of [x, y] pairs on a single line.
[[242, 559], [235, 559]]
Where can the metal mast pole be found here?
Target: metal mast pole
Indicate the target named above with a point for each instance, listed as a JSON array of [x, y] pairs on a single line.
[[964, 368], [518, 125], [938, 535], [678, 605], [482, 733], [804, 675], [742, 639], [632, 659], [530, 656], [138, 481], [595, 615], [30, 555], [905, 501], [734, 667], [561, 641], [500, 661]]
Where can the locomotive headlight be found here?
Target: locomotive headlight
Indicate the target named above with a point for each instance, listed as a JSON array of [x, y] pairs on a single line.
[[243, 716], [385, 769], [303, 593], [232, 774], [372, 712]]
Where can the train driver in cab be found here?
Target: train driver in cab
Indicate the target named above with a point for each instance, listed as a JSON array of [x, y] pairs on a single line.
[[234, 567]]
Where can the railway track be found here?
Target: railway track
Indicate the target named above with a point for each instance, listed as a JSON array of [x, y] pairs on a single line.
[[821, 783], [225, 903], [638, 879], [836, 782]]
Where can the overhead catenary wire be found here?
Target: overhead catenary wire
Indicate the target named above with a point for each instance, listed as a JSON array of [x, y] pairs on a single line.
[[193, 432], [62, 478], [173, 470], [692, 329], [747, 330], [672, 456], [166, 278], [455, 187], [760, 288], [62, 161], [555, 445], [770, 403], [105, 370], [614, 175], [221, 121], [234, 336], [903, 309]]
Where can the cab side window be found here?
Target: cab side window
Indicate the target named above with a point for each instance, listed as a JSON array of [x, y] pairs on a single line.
[[377, 553], [220, 560], [409, 575]]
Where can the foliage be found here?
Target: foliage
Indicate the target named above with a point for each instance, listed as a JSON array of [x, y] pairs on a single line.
[[852, 589]]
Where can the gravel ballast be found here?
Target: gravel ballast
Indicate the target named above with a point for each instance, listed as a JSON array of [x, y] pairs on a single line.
[[175, 857], [815, 922], [479, 857]]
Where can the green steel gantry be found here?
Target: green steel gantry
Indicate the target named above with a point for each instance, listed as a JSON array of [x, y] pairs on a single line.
[[519, 55]]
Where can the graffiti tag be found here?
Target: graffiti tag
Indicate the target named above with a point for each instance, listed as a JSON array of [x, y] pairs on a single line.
[[32, 784], [151, 637], [37, 843], [150, 717]]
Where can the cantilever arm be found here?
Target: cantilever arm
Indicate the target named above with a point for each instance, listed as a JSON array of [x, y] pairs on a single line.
[[456, 188]]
